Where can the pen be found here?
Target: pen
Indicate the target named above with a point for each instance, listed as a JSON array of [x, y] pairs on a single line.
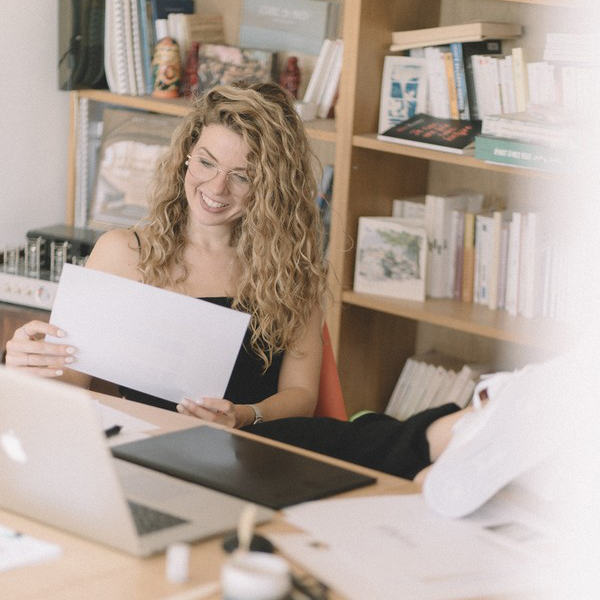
[[112, 431]]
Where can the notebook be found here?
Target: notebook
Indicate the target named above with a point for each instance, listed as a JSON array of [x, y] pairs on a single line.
[[244, 467], [57, 468]]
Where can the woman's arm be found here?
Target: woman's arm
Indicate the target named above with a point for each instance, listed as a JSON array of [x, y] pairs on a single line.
[[297, 393]]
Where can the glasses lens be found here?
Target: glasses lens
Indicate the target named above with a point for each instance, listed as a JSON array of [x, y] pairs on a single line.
[[204, 169]]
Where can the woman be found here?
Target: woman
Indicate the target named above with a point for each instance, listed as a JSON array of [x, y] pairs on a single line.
[[232, 220]]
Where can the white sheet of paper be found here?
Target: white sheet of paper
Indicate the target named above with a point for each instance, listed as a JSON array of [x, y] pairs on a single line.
[[145, 338], [132, 428], [394, 546]]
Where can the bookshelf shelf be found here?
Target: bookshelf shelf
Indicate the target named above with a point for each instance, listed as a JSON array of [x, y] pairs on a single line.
[[370, 142], [319, 129], [466, 317]]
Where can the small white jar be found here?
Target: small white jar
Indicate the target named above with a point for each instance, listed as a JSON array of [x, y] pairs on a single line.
[[255, 576]]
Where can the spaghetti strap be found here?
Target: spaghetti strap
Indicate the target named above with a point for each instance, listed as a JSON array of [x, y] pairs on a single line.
[[137, 237]]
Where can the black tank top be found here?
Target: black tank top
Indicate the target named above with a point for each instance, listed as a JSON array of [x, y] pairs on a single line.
[[247, 385]]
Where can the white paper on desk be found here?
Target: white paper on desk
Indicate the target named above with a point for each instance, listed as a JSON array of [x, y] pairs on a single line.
[[145, 338], [394, 546], [17, 549], [132, 428]]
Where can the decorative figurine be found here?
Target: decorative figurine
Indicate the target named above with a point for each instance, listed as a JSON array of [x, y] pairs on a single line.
[[290, 76], [166, 68]]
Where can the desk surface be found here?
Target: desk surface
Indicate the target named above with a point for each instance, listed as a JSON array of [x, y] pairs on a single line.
[[90, 571]]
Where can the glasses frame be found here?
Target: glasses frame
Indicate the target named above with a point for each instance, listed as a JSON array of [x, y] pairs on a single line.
[[228, 172]]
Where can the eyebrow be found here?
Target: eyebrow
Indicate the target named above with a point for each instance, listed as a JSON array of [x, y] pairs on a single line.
[[211, 155]]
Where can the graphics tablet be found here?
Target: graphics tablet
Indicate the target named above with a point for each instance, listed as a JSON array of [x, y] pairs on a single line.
[[247, 468]]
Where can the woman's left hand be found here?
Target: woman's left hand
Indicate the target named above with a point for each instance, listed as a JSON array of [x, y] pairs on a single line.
[[216, 410]]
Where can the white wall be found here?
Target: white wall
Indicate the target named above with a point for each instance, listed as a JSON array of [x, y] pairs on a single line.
[[34, 118]]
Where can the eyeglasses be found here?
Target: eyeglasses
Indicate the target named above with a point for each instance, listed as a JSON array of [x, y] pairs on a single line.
[[206, 170]]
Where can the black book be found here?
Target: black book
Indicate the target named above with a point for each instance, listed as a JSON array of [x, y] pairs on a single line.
[[243, 467], [425, 131]]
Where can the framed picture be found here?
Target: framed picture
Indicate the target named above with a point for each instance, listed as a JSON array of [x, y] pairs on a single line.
[[403, 90], [391, 258], [132, 142], [218, 63]]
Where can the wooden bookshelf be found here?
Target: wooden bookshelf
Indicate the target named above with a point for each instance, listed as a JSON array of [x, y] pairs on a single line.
[[373, 336]]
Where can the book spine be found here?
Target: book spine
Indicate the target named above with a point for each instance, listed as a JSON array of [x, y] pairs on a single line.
[[517, 153], [462, 97], [495, 260], [468, 258], [513, 266], [459, 256], [451, 84], [520, 77]]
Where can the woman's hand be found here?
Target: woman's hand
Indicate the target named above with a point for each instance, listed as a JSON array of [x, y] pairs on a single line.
[[217, 410], [28, 351]]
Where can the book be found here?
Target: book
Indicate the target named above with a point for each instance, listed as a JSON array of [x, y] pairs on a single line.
[[438, 211], [495, 258], [539, 125], [468, 50], [220, 63], [328, 96], [425, 131], [518, 153], [455, 251], [468, 272], [403, 90], [483, 246], [460, 80], [464, 32], [324, 195], [391, 258], [409, 208], [318, 78], [451, 84], [438, 102], [294, 26], [519, 64], [513, 264]]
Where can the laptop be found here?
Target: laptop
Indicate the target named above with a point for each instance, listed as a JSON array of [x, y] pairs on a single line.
[[248, 468], [57, 468]]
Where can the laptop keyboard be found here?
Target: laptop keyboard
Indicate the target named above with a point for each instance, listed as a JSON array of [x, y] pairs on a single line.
[[148, 520]]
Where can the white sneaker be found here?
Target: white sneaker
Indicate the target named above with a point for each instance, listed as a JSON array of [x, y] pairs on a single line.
[[522, 424]]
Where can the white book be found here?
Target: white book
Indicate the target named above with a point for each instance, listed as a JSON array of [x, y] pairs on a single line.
[[412, 389], [455, 241], [333, 79], [419, 389], [441, 396], [432, 388], [495, 258], [140, 77], [437, 83], [507, 85], [409, 208], [462, 377], [492, 84], [513, 268], [483, 245], [129, 55], [317, 81], [394, 401], [523, 268], [530, 283], [503, 265]]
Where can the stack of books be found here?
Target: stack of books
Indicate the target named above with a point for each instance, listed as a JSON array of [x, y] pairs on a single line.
[[432, 379]]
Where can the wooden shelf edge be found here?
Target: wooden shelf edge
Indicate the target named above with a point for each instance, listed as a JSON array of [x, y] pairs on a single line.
[[557, 3], [319, 129], [370, 142], [466, 317]]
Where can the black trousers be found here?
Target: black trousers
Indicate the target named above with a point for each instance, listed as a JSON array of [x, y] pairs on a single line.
[[374, 440]]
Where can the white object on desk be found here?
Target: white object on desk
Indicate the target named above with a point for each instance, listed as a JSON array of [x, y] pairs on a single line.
[[17, 549], [146, 338], [255, 576]]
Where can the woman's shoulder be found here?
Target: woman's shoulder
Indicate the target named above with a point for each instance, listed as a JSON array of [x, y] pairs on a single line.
[[116, 252]]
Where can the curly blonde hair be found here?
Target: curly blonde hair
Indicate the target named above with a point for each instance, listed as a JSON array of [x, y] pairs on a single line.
[[278, 240]]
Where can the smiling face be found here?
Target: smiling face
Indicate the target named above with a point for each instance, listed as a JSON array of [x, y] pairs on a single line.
[[216, 199]]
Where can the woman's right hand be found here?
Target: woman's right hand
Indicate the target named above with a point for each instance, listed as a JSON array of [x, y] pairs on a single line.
[[28, 351]]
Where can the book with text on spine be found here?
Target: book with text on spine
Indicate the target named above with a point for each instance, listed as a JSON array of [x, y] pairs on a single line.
[[425, 131]]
